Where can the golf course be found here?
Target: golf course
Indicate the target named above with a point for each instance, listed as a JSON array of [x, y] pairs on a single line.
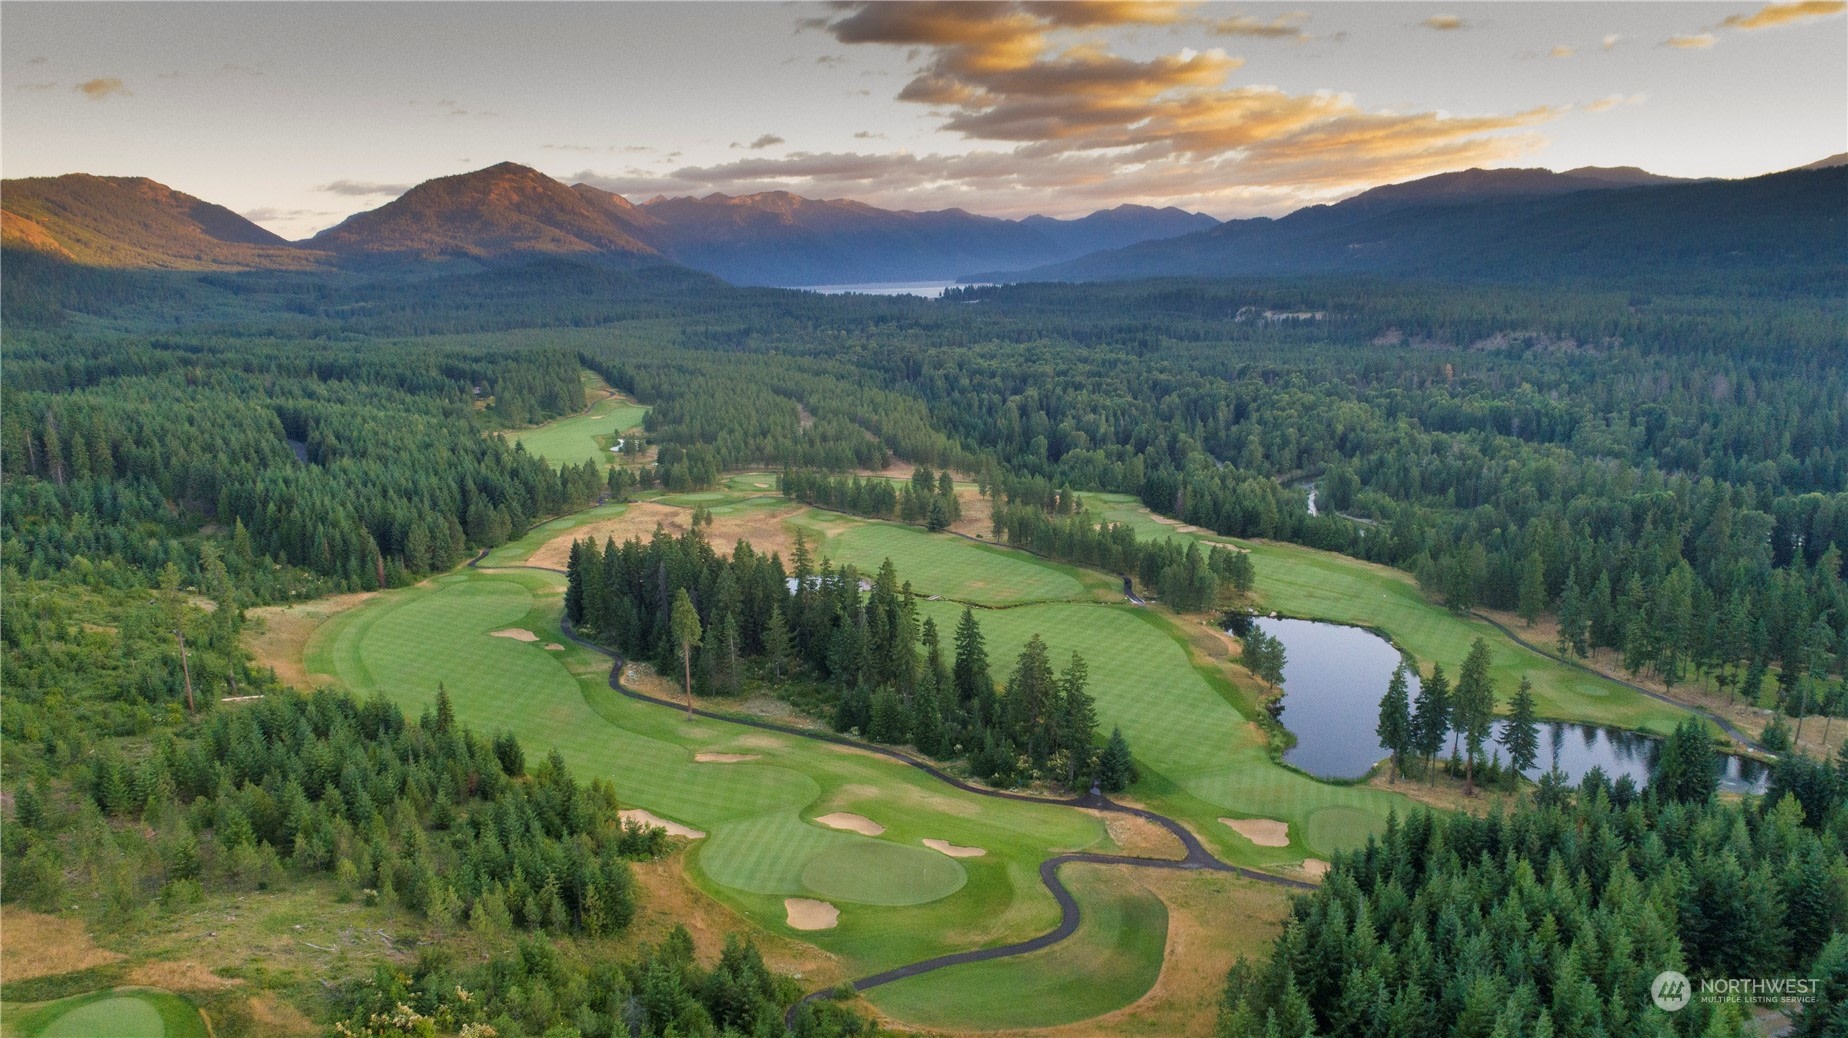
[[885, 864], [116, 1013]]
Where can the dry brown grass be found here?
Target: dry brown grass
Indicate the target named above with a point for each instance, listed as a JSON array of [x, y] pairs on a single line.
[[273, 1016], [179, 975], [1446, 795], [278, 637], [1138, 837], [667, 897], [33, 944], [1212, 920], [763, 529]]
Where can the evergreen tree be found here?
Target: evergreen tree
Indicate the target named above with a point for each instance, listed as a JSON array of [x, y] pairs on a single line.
[[1472, 708], [1395, 723], [1532, 597], [1115, 766], [1431, 718], [1521, 736], [687, 633], [1687, 768], [776, 641]]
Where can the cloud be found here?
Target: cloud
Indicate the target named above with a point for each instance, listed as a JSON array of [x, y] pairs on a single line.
[[361, 188], [768, 140], [1287, 26], [268, 215], [1691, 41], [1562, 51], [868, 135], [831, 59], [1772, 15], [1076, 114], [102, 88], [51, 85], [1611, 41], [1444, 22], [38, 60], [1605, 104]]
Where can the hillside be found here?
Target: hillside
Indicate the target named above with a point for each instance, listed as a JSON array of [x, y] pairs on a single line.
[[1512, 227], [139, 223], [498, 214]]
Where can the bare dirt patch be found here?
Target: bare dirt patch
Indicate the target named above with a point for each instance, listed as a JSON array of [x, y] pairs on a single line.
[[1264, 832], [33, 944], [725, 758], [762, 528], [850, 822], [554, 647], [1180, 527], [279, 637], [1138, 837], [273, 1016], [809, 914], [1315, 868], [636, 814], [953, 850], [515, 633]]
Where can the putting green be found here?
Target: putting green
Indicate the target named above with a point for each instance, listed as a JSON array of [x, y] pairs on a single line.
[[122, 1013], [578, 438], [1320, 585], [1113, 959], [874, 872], [942, 564]]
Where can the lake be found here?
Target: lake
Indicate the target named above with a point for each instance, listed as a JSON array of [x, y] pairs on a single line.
[[927, 289], [1334, 676]]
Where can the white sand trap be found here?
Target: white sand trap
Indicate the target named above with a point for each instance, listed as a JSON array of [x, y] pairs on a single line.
[[809, 914], [554, 647], [636, 814], [954, 851], [1261, 831], [724, 758], [852, 823], [1315, 868], [515, 633]]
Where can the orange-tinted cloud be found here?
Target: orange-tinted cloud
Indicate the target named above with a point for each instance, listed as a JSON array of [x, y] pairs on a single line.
[[102, 88], [1286, 27], [1444, 22], [1011, 72], [1691, 41], [1772, 15]]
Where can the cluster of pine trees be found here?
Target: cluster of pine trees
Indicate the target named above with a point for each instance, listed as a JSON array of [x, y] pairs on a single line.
[[1554, 918], [425, 815], [1179, 574], [927, 499], [1413, 727], [883, 670], [541, 989]]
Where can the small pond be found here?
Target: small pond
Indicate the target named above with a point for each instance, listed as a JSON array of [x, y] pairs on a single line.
[[1334, 676]]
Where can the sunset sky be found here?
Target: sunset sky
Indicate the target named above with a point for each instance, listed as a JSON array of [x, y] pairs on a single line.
[[300, 114]]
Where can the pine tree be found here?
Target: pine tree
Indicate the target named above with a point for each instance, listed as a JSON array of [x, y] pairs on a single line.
[[687, 632], [1431, 718], [1572, 620], [974, 688], [1472, 709], [1115, 766], [1395, 724], [776, 641], [1521, 736], [1532, 594]]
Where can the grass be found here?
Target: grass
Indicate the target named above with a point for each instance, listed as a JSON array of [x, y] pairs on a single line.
[[516, 552], [1200, 755], [1320, 585], [1113, 959], [938, 564], [120, 1013], [761, 848], [575, 439]]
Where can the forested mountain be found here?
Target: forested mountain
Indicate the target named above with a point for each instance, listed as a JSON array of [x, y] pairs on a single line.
[[509, 214], [1512, 224], [505, 212], [137, 223]]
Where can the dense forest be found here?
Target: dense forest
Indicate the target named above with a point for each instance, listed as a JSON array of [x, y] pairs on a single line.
[[1554, 918]]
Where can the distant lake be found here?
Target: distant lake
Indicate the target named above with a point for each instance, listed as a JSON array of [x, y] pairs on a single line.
[[1334, 676], [927, 289]]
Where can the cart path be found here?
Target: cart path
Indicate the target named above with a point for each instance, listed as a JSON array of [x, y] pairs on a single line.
[[1197, 857]]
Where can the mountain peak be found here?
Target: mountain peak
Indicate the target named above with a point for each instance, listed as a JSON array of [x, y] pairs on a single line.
[[135, 222]]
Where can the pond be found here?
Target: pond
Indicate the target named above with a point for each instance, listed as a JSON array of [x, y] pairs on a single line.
[[1334, 676]]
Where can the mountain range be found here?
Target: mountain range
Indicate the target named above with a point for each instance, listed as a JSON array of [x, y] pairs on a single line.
[[1472, 223]]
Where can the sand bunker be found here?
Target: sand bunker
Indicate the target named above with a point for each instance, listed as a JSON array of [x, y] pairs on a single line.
[[554, 647], [852, 823], [809, 914], [723, 758], [1261, 831], [1315, 868], [954, 851], [636, 814], [515, 633]]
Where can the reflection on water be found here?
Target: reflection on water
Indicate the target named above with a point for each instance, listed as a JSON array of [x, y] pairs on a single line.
[[1334, 676], [927, 289]]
